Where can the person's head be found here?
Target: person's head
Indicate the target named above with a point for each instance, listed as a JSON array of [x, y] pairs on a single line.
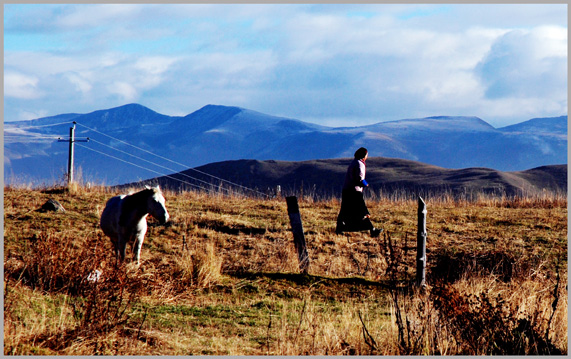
[[361, 153]]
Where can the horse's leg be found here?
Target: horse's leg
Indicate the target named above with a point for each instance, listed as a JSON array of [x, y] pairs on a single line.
[[137, 247], [115, 241], [139, 238], [121, 246]]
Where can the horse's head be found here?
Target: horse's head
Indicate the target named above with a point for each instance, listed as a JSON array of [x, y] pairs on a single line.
[[156, 205]]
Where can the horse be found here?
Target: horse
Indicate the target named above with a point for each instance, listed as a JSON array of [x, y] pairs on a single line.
[[124, 219]]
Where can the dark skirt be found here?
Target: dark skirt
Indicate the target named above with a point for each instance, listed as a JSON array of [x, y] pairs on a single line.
[[353, 211]]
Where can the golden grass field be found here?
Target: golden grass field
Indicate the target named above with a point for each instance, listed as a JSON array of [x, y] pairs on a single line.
[[222, 278]]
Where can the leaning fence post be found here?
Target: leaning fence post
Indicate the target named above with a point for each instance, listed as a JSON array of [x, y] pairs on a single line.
[[297, 229], [421, 244]]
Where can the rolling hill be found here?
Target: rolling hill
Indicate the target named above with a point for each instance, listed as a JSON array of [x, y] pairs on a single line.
[[388, 175]]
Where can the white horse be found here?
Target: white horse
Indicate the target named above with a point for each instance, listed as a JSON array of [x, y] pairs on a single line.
[[124, 218]]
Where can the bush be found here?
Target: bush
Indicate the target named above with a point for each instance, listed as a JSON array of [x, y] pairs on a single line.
[[489, 326], [100, 306]]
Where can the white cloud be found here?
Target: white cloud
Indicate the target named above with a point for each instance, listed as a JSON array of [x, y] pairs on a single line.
[[527, 64], [21, 86], [154, 65], [149, 72], [370, 61], [227, 70], [549, 41], [85, 79], [81, 82], [87, 16], [125, 91], [43, 64]]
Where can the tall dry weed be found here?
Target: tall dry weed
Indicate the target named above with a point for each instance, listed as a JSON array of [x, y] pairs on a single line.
[[100, 304], [309, 328], [200, 267], [487, 316], [207, 266], [487, 324], [490, 280], [54, 263]]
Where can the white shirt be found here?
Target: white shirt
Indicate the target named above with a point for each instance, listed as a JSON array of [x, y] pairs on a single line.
[[355, 175]]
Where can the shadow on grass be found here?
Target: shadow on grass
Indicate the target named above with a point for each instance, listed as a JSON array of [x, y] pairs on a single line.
[[309, 279]]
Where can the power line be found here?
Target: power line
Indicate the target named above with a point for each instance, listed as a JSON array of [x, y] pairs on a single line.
[[169, 160], [31, 135], [177, 163], [136, 165], [157, 172], [15, 133], [29, 138], [153, 163], [37, 126]]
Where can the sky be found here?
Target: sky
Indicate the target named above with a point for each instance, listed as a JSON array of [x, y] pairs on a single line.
[[334, 65]]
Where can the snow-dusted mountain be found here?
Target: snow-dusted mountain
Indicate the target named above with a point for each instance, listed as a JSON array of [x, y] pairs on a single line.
[[124, 139]]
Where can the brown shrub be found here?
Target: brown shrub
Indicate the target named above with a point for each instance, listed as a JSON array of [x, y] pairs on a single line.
[[447, 267], [486, 325], [54, 265]]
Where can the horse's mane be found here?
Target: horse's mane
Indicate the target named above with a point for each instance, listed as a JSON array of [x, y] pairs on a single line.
[[144, 193]]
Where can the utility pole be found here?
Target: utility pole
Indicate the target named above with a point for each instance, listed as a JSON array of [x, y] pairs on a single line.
[[71, 141]]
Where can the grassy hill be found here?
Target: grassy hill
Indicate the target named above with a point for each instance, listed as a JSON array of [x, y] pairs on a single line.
[[387, 176], [222, 278]]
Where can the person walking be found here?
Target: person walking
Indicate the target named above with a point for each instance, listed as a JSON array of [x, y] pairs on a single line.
[[354, 215]]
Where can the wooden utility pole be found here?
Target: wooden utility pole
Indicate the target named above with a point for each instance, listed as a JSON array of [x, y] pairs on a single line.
[[297, 229], [70, 158], [421, 244]]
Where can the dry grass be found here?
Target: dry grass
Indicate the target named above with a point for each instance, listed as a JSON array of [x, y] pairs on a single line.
[[222, 279]]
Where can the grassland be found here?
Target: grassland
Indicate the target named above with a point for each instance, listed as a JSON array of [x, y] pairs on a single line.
[[223, 279]]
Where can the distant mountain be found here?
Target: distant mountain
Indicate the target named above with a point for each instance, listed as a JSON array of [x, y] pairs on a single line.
[[213, 133], [552, 125], [393, 177], [30, 159]]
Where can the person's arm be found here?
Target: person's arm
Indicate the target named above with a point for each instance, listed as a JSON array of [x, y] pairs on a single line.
[[361, 175]]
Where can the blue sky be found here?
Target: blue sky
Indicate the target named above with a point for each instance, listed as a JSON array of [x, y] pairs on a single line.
[[336, 65]]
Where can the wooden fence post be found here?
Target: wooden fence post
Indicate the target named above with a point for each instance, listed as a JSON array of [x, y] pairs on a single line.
[[297, 229], [421, 244]]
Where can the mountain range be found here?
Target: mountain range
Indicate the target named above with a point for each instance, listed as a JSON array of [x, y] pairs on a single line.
[[164, 145]]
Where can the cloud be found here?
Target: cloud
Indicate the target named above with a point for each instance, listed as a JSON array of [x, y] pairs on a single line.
[[149, 72], [82, 83], [89, 16], [154, 65], [34, 18], [21, 86], [370, 62], [124, 90], [362, 67], [526, 63]]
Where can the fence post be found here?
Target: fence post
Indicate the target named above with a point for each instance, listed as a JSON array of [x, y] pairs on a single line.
[[297, 229], [421, 244]]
